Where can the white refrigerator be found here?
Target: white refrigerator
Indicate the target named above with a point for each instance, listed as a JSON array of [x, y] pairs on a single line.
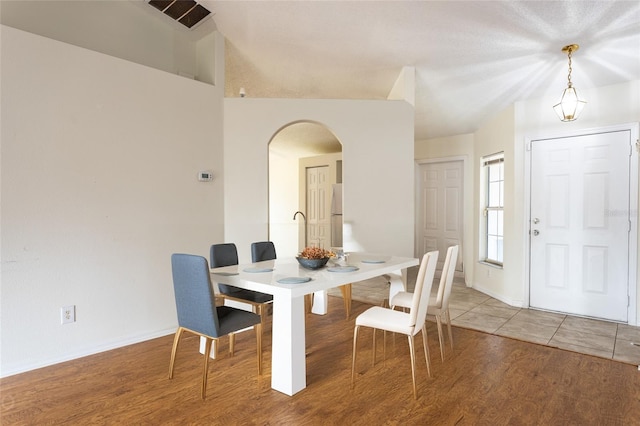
[[336, 216]]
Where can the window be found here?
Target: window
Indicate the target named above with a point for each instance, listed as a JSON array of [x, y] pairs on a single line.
[[493, 167]]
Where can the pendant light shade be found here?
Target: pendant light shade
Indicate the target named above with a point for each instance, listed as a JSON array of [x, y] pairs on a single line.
[[570, 105]]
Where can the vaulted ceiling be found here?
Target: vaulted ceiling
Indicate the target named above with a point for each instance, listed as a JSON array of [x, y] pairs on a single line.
[[472, 59]]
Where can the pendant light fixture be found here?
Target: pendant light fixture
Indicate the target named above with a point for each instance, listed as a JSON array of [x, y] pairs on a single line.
[[570, 105]]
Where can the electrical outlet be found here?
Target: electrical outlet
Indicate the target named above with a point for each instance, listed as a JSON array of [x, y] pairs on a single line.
[[68, 314]]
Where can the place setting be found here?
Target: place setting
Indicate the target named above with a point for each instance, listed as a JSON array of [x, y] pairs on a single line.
[[257, 270], [294, 280]]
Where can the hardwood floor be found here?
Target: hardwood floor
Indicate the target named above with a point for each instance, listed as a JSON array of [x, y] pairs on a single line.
[[488, 380]]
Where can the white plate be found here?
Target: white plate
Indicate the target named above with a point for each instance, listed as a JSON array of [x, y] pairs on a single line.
[[346, 268], [258, 270], [294, 280]]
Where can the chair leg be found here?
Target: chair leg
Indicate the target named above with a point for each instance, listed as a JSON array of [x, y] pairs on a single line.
[[232, 343], [446, 312], [205, 371], [384, 345], [440, 336], [258, 329], [260, 311], [176, 340], [353, 362], [346, 296], [374, 347], [308, 303], [425, 344], [413, 365]]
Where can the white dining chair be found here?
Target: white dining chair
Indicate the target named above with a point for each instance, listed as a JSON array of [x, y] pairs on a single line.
[[438, 305], [407, 323]]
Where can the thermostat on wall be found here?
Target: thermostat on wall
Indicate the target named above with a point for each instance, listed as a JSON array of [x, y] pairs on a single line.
[[205, 176]]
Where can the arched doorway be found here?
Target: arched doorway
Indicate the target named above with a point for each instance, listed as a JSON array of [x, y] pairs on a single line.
[[298, 152]]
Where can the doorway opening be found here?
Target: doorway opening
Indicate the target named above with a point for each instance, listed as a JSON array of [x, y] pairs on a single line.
[[305, 168]]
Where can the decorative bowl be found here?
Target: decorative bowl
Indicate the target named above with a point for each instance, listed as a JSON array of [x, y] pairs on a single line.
[[312, 263]]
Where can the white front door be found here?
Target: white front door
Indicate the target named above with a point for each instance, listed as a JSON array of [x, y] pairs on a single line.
[[579, 225], [440, 189], [318, 207]]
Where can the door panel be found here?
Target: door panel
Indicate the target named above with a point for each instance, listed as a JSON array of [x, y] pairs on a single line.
[[440, 208], [318, 207], [579, 250]]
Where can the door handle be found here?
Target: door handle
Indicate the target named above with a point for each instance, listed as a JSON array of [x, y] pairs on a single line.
[[536, 232], [536, 220]]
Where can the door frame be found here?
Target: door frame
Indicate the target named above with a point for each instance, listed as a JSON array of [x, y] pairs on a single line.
[[467, 195], [633, 128]]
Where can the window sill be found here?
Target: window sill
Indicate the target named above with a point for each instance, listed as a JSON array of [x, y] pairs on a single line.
[[492, 265]]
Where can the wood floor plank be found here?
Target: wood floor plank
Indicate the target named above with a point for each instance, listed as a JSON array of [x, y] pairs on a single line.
[[488, 380]]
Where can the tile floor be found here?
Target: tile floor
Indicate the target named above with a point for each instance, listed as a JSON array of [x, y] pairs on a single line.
[[472, 309]]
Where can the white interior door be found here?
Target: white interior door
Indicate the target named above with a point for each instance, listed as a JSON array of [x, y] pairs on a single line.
[[318, 207], [440, 206], [579, 231]]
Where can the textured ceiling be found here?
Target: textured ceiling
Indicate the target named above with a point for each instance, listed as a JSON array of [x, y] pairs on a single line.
[[472, 59]]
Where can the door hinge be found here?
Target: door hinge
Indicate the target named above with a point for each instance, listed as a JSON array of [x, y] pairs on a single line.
[[638, 145]]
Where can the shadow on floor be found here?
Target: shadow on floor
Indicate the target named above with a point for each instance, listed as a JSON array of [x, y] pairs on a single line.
[[474, 310]]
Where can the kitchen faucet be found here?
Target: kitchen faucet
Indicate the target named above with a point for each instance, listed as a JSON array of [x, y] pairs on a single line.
[[305, 224]]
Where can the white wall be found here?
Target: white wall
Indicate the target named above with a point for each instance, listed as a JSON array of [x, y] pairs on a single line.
[[377, 142], [131, 30], [99, 162], [496, 136], [283, 197]]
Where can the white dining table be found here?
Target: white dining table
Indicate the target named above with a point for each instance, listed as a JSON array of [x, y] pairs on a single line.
[[288, 363]]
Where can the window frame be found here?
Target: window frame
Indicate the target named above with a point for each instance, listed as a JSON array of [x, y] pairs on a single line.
[[493, 208]]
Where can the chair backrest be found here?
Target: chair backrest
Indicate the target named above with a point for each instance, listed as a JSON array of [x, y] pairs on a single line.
[[446, 279], [195, 300], [220, 255], [263, 250], [422, 290], [223, 255]]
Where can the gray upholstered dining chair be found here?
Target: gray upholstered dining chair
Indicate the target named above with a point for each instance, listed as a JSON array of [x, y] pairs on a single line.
[[226, 254], [407, 323], [198, 313], [262, 250]]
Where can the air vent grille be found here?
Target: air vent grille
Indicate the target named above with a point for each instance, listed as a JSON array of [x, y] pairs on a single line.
[[187, 12]]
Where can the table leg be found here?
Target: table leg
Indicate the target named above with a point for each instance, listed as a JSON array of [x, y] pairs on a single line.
[[214, 347], [320, 303], [288, 363]]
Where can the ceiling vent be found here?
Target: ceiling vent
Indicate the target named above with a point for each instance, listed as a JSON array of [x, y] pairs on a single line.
[[187, 12]]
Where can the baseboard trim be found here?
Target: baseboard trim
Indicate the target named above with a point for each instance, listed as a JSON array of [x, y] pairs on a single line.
[[511, 302], [81, 354]]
